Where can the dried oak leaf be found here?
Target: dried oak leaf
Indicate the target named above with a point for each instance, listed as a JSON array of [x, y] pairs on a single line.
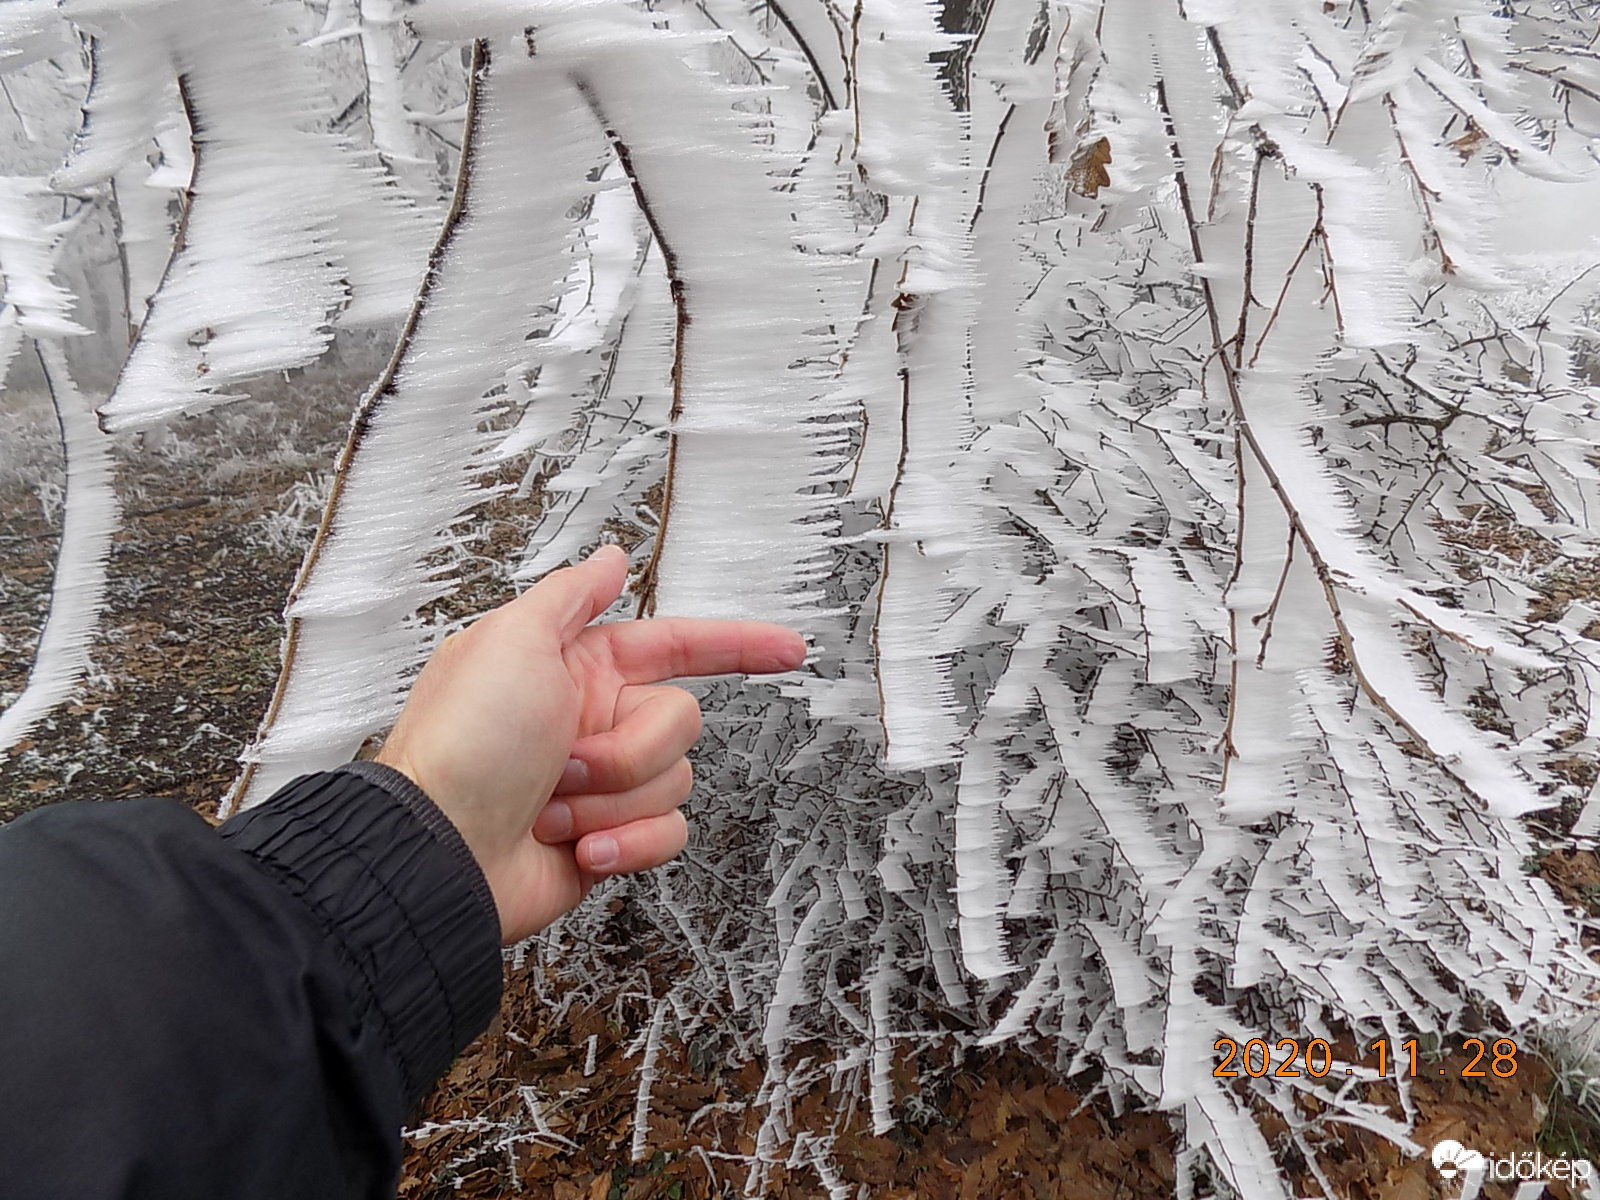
[[1088, 174], [1468, 143], [1409, 1182]]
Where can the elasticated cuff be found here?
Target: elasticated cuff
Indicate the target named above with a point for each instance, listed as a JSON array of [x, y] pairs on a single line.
[[399, 785], [388, 877]]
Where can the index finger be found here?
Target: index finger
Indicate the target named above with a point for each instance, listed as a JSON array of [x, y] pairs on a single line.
[[677, 647]]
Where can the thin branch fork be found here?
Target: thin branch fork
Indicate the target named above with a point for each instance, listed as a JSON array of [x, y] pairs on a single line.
[[1384, 420], [1451, 409], [1270, 614], [1283, 293], [180, 237], [908, 308], [1425, 194], [645, 587], [1248, 297], [888, 522], [1325, 573]]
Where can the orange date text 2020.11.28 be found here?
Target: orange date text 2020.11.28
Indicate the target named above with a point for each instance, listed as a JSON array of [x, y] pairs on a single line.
[[1291, 1058]]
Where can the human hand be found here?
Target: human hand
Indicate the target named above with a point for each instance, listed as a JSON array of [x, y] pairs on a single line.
[[531, 701]]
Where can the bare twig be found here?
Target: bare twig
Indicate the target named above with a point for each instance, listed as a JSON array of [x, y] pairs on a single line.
[[1425, 194], [645, 587], [829, 101], [180, 237], [1324, 572], [361, 422]]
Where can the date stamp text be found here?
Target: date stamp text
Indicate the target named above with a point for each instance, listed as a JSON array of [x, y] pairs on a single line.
[[1295, 1058]]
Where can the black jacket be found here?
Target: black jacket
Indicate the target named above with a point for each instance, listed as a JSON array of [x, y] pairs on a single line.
[[184, 1014]]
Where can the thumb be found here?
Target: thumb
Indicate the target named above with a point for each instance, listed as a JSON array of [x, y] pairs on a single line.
[[568, 599]]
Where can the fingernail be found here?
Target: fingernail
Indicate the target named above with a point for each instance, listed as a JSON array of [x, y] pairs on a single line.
[[555, 822], [603, 852], [574, 776]]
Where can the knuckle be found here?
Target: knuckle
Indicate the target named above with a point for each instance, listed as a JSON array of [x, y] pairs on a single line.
[[624, 763], [694, 720], [611, 812], [457, 644], [682, 780], [682, 651]]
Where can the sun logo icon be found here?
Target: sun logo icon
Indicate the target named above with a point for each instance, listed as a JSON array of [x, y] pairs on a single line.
[[1451, 1158]]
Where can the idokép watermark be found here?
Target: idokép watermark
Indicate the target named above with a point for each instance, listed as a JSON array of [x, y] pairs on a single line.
[[1453, 1160]]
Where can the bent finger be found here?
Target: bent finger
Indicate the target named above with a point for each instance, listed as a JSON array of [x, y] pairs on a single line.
[[654, 727], [681, 647], [572, 817], [636, 846]]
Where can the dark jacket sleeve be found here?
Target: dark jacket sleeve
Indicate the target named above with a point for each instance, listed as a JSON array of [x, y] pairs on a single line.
[[233, 1014]]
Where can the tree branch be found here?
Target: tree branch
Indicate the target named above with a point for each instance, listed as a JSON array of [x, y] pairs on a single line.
[[645, 587]]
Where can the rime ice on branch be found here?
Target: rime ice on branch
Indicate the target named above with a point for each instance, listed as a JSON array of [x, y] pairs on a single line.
[[1133, 400]]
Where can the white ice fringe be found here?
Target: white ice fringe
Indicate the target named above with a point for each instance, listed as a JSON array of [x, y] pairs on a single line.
[[37, 304], [621, 450], [731, 542], [937, 541], [286, 226], [89, 518], [640, 1142], [409, 468], [31, 30], [1202, 489], [33, 305]]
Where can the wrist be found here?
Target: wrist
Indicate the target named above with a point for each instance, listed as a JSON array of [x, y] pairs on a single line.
[[484, 850], [396, 777], [395, 891]]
